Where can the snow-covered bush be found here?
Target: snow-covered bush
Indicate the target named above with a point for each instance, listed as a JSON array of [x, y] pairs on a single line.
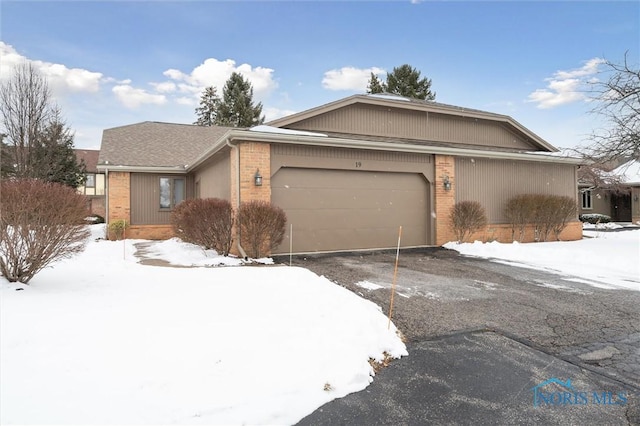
[[262, 227], [466, 218], [40, 223], [595, 218], [207, 222], [94, 219]]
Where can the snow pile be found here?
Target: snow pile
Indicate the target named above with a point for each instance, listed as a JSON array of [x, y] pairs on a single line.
[[103, 339], [609, 258]]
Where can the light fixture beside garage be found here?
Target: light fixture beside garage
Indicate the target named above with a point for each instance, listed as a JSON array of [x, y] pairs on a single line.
[[257, 178], [446, 183]]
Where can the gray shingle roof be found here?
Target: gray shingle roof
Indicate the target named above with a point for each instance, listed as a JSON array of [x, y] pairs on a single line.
[[155, 144]]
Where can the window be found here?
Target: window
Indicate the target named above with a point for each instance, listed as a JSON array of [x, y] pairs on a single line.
[[586, 199], [91, 181], [172, 191]]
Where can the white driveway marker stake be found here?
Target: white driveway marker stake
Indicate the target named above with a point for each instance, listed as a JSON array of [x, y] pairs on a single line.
[[395, 274], [290, 241]]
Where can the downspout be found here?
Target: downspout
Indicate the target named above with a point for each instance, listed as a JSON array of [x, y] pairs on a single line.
[[238, 234], [106, 201]]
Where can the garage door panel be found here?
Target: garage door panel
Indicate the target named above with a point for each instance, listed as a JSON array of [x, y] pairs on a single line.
[[343, 209]]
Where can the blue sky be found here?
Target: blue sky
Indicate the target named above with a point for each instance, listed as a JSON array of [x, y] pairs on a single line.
[[116, 63]]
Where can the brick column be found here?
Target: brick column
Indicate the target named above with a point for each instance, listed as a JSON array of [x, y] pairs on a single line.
[[119, 196], [255, 156], [445, 200]]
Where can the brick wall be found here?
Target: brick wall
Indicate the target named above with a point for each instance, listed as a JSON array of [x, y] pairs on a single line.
[[254, 156], [150, 232], [119, 197], [502, 233], [444, 200]]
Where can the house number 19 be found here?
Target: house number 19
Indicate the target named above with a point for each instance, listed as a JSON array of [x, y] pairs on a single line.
[[358, 164]]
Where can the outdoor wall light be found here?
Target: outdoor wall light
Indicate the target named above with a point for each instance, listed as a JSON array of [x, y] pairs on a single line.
[[635, 198], [257, 178], [446, 183]]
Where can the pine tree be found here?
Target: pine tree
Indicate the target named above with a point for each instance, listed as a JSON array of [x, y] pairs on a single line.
[[404, 81], [236, 108], [53, 158], [375, 85], [206, 112]]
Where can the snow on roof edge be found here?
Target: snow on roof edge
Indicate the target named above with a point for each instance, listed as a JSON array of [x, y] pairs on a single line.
[[270, 129]]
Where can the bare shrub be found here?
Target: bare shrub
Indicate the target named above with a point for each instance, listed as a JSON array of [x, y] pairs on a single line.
[[207, 222], [519, 211], [262, 227], [548, 214], [117, 228], [567, 210], [40, 223], [467, 217]]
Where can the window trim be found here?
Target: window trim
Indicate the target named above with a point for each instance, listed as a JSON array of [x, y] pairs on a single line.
[[172, 203], [586, 196], [86, 181]]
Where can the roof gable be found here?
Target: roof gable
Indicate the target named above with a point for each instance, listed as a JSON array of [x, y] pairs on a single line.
[[398, 118]]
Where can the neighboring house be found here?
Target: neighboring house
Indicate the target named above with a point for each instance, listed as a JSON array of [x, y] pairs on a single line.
[[620, 201], [347, 173], [94, 186]]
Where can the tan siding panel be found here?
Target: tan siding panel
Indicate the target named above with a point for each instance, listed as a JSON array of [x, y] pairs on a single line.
[[145, 198], [493, 182], [213, 178], [416, 125]]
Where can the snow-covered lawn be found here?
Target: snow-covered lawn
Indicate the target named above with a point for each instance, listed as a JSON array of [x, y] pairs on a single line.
[[603, 258], [103, 339]]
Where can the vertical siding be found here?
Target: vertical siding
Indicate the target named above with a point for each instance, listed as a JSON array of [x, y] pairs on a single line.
[[417, 125], [213, 178], [145, 198], [493, 182]]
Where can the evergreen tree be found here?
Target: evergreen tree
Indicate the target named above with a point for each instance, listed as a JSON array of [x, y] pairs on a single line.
[[375, 85], [236, 108], [54, 159], [404, 81], [206, 112]]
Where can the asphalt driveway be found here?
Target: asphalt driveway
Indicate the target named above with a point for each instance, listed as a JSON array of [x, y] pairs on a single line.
[[537, 315]]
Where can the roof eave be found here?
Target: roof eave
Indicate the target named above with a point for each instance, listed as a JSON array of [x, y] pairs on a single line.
[[253, 136], [142, 169]]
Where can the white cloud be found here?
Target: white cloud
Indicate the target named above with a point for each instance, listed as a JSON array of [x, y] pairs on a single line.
[[133, 98], [166, 87], [60, 78], [349, 78], [566, 86], [188, 101], [213, 72], [271, 113]]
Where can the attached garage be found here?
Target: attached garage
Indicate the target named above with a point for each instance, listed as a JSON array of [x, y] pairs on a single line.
[[332, 210], [349, 199]]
